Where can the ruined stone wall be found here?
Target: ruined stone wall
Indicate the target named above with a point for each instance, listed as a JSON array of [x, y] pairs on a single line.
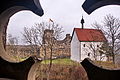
[[61, 48]]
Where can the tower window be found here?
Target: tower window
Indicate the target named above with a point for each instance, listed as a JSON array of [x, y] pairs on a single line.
[[83, 45]]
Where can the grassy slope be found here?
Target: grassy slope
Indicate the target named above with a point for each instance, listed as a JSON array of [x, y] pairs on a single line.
[[62, 69], [65, 61]]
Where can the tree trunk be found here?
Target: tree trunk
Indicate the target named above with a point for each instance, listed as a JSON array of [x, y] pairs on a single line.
[[50, 59], [49, 69], [113, 56]]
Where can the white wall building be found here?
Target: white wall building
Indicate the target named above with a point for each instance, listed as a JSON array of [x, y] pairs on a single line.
[[85, 43]]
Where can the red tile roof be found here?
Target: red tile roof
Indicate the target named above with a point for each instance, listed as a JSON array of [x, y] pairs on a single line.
[[89, 35]]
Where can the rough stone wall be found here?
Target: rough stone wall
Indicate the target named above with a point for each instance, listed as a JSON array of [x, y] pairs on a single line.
[[61, 48]]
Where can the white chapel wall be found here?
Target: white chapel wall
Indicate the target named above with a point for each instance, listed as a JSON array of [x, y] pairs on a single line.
[[75, 48], [87, 51]]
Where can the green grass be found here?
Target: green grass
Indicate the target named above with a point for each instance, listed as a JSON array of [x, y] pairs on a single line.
[[65, 61]]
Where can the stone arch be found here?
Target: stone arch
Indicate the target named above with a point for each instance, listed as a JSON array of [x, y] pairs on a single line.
[[9, 8], [32, 72], [96, 72], [90, 5]]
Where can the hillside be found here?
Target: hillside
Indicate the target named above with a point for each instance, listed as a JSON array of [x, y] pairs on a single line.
[[62, 69]]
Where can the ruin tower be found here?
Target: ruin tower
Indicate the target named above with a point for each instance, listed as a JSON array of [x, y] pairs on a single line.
[[48, 34]]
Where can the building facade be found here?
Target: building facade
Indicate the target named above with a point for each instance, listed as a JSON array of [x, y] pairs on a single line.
[[86, 43]]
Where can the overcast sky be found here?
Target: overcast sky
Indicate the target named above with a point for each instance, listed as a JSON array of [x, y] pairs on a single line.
[[67, 13]]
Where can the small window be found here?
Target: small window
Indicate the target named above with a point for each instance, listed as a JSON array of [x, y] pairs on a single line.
[[91, 45], [97, 45], [83, 45], [89, 54]]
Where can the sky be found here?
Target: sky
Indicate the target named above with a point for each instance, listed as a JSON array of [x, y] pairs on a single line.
[[67, 13]]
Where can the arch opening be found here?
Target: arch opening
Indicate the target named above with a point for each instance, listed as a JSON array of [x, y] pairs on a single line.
[[14, 7]]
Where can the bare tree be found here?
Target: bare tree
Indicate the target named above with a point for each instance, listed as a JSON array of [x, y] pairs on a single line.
[[32, 38], [43, 35], [92, 50], [54, 31], [111, 29], [106, 49], [35, 35]]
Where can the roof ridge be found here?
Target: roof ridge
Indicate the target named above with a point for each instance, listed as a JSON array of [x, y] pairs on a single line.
[[87, 29]]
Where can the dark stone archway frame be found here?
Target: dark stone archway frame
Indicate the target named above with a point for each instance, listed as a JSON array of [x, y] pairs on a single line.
[[96, 72], [8, 67], [90, 5], [9, 8]]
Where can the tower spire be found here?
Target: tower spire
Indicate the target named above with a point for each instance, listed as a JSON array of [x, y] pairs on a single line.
[[82, 22]]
